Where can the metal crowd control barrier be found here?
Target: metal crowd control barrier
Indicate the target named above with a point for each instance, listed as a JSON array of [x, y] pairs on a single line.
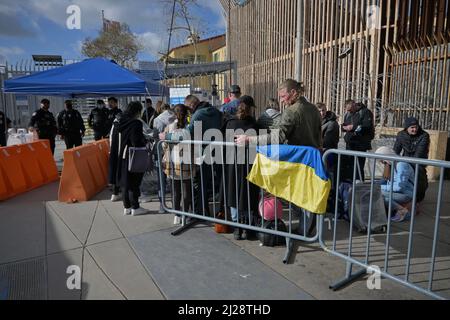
[[209, 177], [390, 261]]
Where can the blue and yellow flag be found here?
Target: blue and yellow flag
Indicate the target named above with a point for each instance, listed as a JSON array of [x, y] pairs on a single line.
[[293, 173]]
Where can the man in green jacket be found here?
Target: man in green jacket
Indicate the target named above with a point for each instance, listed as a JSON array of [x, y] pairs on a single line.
[[300, 125]]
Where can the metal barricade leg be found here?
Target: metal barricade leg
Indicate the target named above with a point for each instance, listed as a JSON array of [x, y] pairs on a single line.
[[289, 249], [186, 226], [349, 278]]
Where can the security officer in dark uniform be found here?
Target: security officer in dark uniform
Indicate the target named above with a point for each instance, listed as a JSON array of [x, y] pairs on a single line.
[[71, 126], [98, 120], [148, 112], [5, 123], [44, 123], [113, 112]]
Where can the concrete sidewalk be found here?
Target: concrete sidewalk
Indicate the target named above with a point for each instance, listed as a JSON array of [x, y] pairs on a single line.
[[40, 238]]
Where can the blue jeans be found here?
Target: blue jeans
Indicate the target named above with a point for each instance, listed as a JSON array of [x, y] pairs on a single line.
[[234, 214], [398, 200]]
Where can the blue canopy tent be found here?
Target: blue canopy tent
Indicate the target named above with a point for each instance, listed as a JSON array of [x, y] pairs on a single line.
[[90, 78]]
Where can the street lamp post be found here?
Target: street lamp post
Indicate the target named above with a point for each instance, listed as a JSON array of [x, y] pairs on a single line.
[[299, 42]]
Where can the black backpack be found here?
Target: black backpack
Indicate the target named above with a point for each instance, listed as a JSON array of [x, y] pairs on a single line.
[[270, 240], [422, 183], [366, 113]]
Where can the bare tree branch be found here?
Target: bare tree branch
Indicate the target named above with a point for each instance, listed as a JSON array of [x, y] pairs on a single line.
[[186, 22]]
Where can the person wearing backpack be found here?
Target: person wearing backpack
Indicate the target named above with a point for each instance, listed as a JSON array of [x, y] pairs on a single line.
[[330, 137], [402, 187], [271, 116], [236, 188]]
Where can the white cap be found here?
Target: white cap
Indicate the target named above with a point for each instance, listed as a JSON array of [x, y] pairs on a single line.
[[386, 151]]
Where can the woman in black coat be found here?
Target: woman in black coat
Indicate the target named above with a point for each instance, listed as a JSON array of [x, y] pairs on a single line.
[[244, 120], [130, 129]]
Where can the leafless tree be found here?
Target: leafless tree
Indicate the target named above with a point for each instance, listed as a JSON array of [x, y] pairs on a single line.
[[185, 21]]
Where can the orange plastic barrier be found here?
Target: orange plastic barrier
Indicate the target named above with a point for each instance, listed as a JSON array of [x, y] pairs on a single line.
[[12, 172], [25, 167], [103, 149], [84, 173], [3, 187], [29, 165], [46, 161]]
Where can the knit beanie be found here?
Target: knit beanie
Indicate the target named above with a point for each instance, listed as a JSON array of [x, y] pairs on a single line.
[[409, 122]]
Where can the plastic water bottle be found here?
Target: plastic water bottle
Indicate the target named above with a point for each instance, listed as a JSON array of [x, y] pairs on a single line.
[[21, 135]]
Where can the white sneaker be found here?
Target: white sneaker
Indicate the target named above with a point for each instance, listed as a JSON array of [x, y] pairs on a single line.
[[116, 198], [126, 212], [176, 220], [145, 199], [139, 212]]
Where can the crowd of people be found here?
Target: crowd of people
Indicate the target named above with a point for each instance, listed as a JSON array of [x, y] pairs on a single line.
[[69, 123], [300, 123]]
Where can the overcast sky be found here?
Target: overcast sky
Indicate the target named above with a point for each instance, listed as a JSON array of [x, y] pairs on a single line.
[[39, 26]]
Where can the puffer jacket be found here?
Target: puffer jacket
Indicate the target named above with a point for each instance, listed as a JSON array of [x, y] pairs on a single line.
[[417, 146]]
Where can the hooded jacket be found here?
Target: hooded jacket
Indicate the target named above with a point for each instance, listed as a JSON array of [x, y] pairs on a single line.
[[131, 135], [163, 120], [269, 118], [330, 131], [207, 115]]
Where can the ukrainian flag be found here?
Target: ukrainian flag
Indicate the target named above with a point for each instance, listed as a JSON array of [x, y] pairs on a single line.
[[293, 173]]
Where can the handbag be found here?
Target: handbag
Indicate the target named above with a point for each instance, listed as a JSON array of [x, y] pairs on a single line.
[[139, 159]]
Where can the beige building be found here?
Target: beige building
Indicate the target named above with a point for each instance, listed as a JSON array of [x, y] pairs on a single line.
[[205, 51], [205, 48]]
